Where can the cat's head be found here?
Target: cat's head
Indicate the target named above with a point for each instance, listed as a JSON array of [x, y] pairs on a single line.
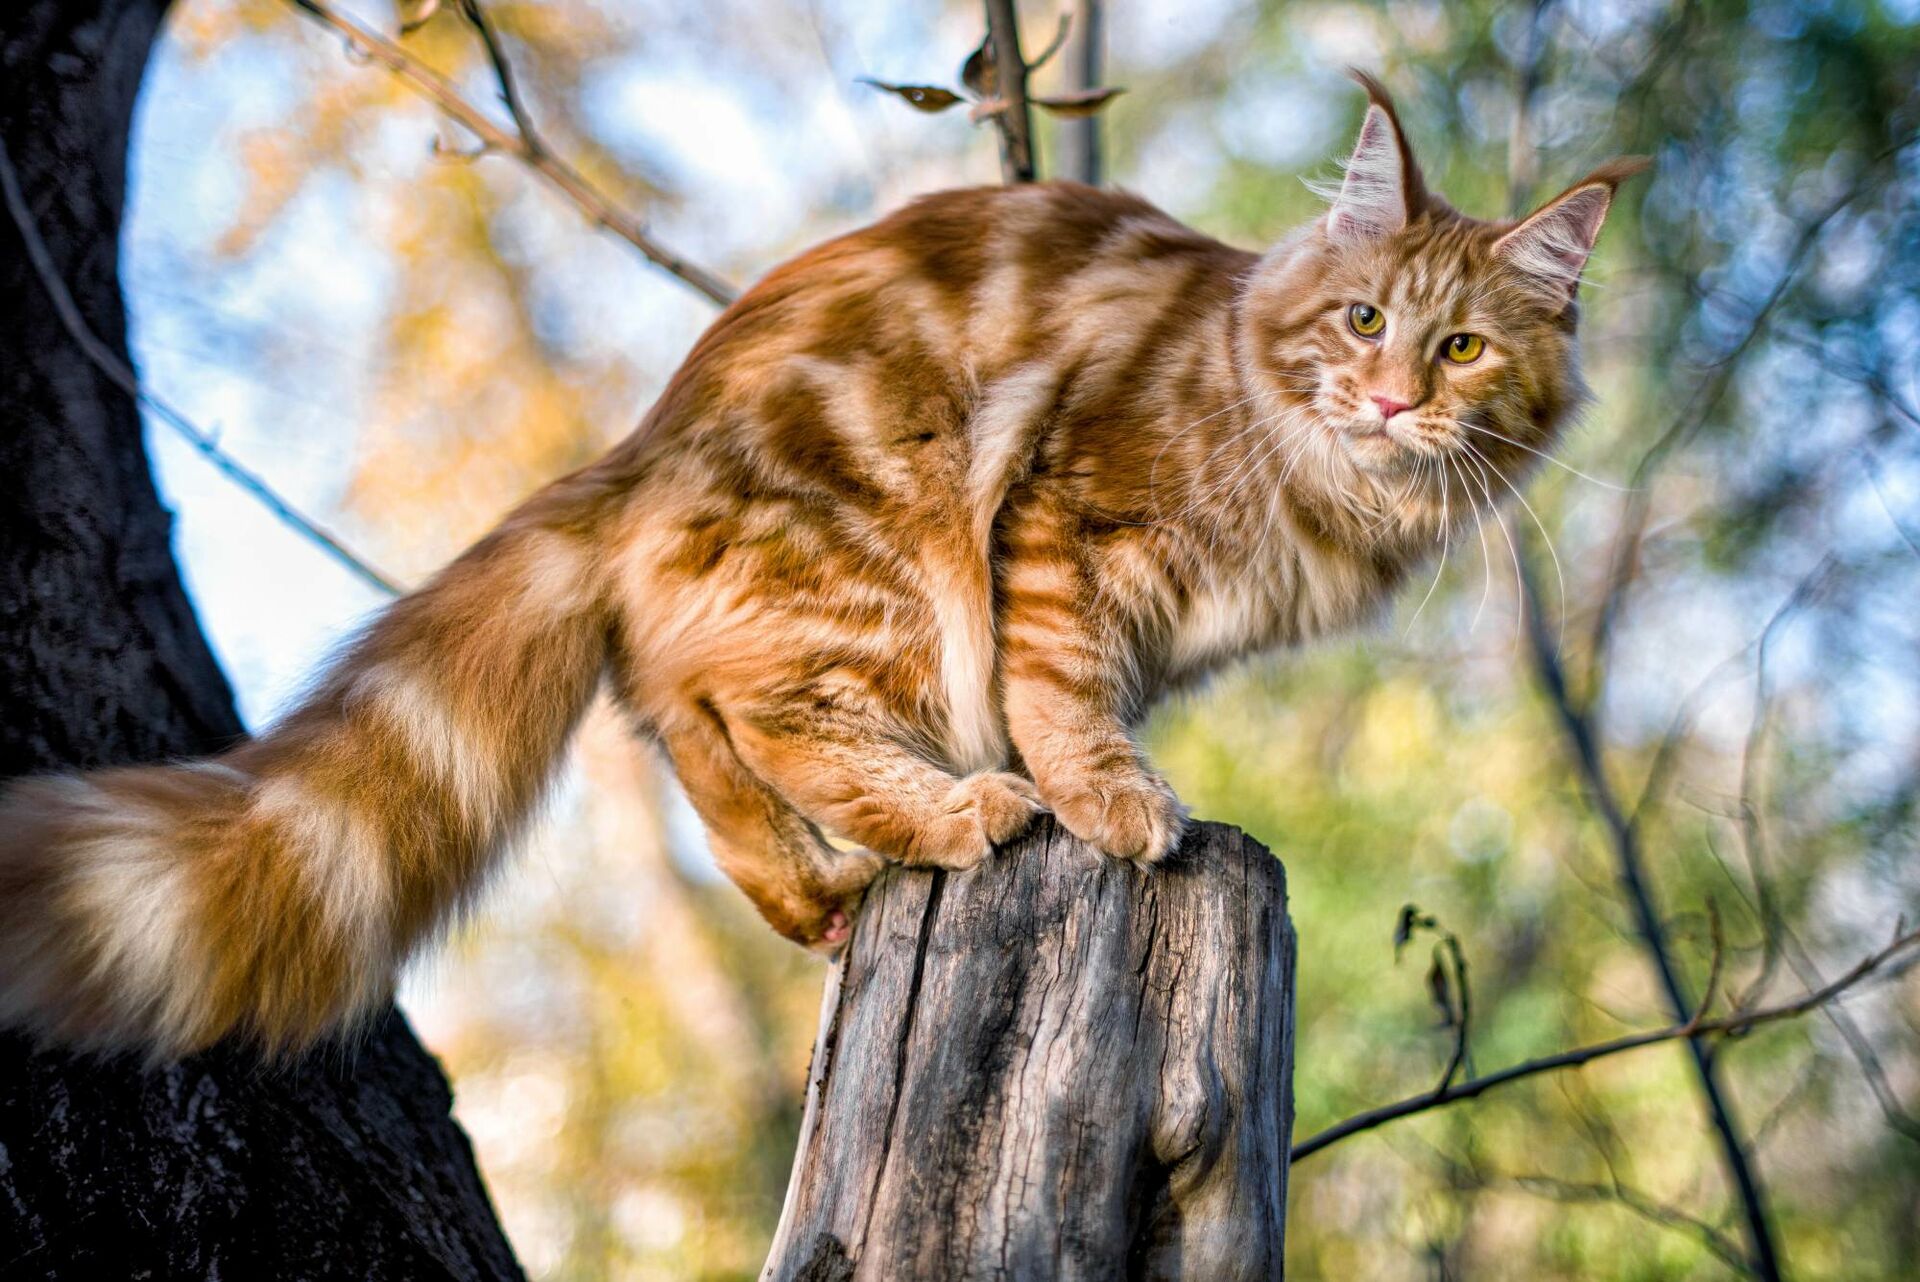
[[1428, 351]]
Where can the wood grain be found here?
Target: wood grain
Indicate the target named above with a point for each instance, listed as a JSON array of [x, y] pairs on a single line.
[[1054, 1066]]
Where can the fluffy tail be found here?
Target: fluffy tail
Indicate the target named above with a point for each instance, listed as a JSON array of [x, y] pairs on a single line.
[[273, 891]]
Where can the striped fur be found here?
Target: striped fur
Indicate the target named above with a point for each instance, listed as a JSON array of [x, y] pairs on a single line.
[[921, 528]]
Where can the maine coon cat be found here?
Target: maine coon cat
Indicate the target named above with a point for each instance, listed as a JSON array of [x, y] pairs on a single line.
[[920, 529]]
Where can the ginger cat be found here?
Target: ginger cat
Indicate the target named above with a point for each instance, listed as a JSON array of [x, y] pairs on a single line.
[[921, 528]]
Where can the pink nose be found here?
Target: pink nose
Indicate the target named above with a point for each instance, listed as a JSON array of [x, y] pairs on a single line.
[[1388, 406]]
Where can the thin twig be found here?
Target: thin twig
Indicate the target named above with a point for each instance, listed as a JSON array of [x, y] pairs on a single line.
[[1616, 1192], [1754, 839], [1729, 1025], [1683, 719], [519, 143], [1714, 965], [116, 370]]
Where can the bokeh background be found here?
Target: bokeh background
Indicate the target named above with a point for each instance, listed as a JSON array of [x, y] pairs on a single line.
[[405, 343]]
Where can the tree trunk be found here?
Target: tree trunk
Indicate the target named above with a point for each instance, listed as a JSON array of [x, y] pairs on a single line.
[[1054, 1066], [346, 1166]]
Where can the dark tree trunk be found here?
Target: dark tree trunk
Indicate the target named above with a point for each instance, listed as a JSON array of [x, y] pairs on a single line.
[[1055, 1066], [348, 1166]]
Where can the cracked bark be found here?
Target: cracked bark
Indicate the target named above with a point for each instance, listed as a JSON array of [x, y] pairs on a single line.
[[346, 1166], [1053, 1066]]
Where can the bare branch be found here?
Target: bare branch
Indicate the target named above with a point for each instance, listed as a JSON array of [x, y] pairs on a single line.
[[1729, 1025], [519, 143], [117, 372], [1577, 725], [1624, 838], [1013, 120]]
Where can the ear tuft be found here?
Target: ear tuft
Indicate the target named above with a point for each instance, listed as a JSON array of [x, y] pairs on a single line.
[[1552, 244], [1381, 190]]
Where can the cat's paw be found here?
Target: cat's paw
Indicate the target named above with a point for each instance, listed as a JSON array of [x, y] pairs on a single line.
[[821, 919], [1129, 815], [979, 812]]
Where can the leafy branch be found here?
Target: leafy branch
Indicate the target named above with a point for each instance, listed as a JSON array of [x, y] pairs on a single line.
[[994, 80]]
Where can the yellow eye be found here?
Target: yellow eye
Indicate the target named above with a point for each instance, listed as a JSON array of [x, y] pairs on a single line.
[[1464, 349], [1366, 319]]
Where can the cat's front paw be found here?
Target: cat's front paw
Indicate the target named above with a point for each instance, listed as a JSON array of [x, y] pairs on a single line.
[[980, 812], [1129, 815]]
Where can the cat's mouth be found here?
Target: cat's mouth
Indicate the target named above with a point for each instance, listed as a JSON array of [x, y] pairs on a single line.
[[1392, 448], [1372, 448]]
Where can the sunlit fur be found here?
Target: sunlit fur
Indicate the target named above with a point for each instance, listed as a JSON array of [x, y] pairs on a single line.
[[922, 527]]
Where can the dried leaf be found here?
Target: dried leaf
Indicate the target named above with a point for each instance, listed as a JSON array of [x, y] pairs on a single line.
[[1410, 920], [1403, 928], [1081, 102], [928, 98], [414, 14], [1441, 990], [979, 74]]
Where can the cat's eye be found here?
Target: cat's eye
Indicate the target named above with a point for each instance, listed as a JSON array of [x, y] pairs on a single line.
[[1366, 319], [1464, 349]]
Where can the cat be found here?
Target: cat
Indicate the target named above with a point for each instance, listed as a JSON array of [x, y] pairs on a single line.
[[922, 526]]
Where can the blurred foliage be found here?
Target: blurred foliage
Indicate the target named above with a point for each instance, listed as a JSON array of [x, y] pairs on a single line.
[[629, 1046]]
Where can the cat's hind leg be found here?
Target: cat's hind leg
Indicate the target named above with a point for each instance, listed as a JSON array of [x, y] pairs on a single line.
[[807, 890]]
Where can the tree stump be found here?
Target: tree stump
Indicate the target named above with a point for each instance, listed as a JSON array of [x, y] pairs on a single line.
[[1054, 1066]]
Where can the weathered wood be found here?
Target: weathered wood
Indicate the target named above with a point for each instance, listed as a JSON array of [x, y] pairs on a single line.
[[1054, 1066]]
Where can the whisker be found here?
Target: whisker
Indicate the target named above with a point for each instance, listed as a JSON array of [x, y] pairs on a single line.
[[1493, 510], [1486, 561], [1153, 471], [1566, 467], [1446, 545], [1559, 576]]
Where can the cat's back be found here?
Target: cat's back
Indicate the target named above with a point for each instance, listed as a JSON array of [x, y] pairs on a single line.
[[1010, 264]]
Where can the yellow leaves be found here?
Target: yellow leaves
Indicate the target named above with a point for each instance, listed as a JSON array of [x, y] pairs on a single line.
[[275, 169]]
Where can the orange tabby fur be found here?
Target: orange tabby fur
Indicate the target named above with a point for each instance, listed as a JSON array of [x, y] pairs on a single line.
[[920, 529]]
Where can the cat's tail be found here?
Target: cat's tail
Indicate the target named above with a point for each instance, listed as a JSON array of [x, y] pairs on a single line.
[[274, 890]]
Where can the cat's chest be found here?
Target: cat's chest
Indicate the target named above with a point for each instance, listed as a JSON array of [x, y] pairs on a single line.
[[1221, 620]]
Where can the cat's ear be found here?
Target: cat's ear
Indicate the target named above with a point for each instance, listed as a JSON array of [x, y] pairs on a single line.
[[1382, 190], [1552, 244]]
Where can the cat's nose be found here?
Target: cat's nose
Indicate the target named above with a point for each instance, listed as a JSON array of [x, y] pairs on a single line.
[[1388, 405]]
